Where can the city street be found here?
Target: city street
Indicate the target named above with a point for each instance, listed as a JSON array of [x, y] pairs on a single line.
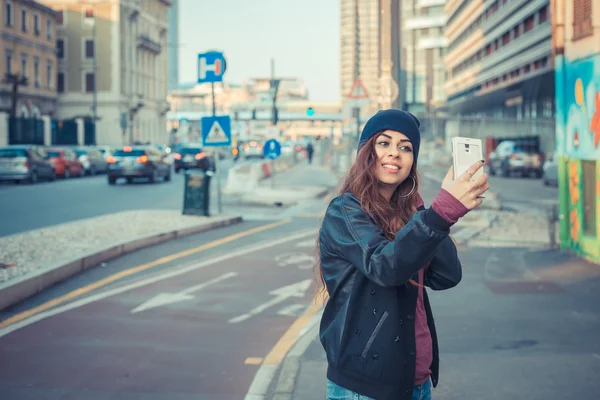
[[26, 207], [195, 327]]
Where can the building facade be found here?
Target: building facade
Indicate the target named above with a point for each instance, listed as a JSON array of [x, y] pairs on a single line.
[[499, 68], [173, 46], [576, 45], [396, 49], [112, 63], [422, 58], [370, 51], [28, 48]]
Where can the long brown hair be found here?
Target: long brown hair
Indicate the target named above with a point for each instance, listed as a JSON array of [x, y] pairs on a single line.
[[363, 183]]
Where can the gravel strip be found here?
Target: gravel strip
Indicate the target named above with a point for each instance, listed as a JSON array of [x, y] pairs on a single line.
[[30, 251]]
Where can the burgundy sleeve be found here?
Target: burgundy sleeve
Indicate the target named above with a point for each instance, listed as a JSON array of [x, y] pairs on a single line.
[[448, 207]]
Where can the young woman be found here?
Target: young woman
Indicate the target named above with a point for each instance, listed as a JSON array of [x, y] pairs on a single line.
[[378, 248]]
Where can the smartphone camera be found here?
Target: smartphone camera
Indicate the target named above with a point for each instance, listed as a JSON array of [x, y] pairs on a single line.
[[466, 148]]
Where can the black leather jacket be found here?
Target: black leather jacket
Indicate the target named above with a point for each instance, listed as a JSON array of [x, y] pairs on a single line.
[[367, 328]]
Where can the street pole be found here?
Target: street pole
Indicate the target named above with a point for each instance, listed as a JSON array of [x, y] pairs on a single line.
[[217, 153]]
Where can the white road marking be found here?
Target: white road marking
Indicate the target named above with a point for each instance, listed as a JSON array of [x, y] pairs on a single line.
[[164, 299], [100, 296], [283, 293], [294, 310], [302, 260]]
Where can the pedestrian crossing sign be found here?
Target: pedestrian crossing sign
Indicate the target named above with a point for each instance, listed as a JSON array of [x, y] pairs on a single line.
[[216, 131]]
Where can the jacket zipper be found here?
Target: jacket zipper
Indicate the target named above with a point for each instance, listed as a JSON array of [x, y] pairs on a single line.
[[374, 334]]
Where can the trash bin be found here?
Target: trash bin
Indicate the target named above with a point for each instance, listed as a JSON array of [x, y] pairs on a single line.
[[196, 197]]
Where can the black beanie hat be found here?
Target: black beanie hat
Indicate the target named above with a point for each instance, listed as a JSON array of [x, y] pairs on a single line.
[[395, 120]]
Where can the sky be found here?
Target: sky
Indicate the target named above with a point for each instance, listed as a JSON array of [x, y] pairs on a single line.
[[302, 36]]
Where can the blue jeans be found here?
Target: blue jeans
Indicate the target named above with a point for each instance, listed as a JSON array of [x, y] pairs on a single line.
[[336, 392]]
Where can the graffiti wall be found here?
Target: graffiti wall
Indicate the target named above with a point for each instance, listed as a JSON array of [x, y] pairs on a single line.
[[578, 149]]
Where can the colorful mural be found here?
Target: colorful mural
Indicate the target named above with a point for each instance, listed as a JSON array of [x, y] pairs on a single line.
[[577, 140]]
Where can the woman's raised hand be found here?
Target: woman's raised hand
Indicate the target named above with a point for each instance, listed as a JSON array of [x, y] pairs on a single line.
[[464, 189]]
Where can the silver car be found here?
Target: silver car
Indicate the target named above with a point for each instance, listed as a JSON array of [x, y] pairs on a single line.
[[25, 163]]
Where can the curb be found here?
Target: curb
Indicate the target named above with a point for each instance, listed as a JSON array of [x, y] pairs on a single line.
[[19, 289], [290, 367]]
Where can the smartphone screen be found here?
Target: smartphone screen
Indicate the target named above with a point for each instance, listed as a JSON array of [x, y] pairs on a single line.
[[467, 154]]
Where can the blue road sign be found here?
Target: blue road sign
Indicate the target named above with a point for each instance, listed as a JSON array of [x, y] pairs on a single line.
[[272, 149], [216, 131], [211, 67]]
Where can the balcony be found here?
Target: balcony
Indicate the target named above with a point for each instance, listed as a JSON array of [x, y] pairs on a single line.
[[504, 61], [430, 3], [432, 42], [472, 46], [507, 16], [145, 42], [426, 22]]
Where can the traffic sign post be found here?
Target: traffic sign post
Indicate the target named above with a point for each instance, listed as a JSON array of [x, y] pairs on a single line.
[[272, 151], [211, 67], [358, 97], [216, 131]]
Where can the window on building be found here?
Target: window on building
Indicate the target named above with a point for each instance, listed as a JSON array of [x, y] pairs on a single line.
[[528, 24], [49, 29], [24, 65], [60, 82], [488, 49], [517, 31], [49, 74], [543, 14], [23, 20], [36, 24], [9, 57], [60, 47], [8, 13], [506, 39], [589, 197], [582, 18], [89, 82], [60, 17], [527, 68], [89, 48], [36, 71]]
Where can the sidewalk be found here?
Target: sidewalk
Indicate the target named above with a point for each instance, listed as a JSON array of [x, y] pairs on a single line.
[[301, 182], [522, 324], [33, 260]]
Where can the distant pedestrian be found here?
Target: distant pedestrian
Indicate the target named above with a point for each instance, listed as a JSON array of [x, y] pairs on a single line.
[[378, 249], [309, 152]]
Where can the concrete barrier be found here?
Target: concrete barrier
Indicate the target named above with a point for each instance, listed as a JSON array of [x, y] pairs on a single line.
[[244, 178]]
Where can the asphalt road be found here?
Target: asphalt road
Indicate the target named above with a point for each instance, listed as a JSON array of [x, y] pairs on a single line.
[[26, 207], [195, 327]]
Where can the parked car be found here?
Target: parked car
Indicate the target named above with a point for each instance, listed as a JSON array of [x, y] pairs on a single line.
[[191, 156], [92, 160], [138, 162], [550, 172], [106, 151], [511, 156], [65, 162], [28, 163]]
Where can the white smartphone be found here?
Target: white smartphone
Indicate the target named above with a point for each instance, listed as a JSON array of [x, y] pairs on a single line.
[[466, 152]]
